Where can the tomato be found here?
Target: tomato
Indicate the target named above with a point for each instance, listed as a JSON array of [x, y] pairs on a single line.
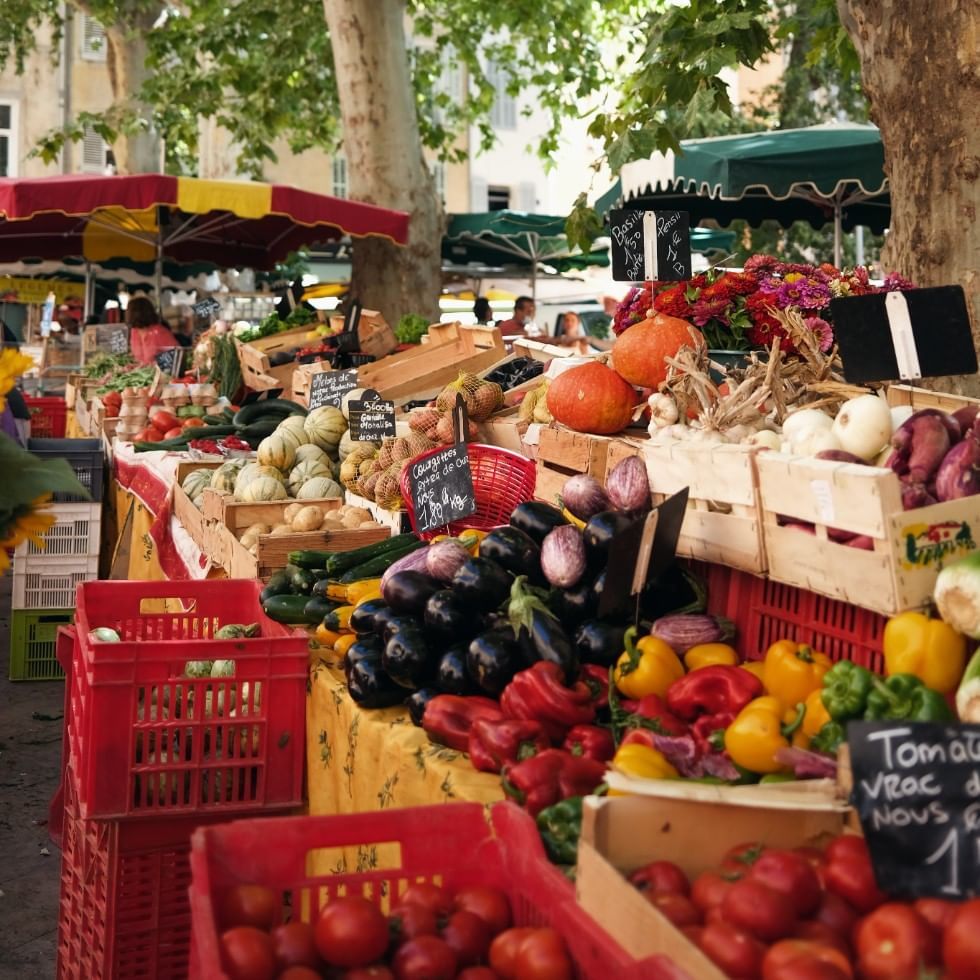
[[299, 973], [504, 948], [192, 422], [837, 914], [425, 958], [807, 969], [351, 932], [164, 421], [660, 877], [815, 857], [709, 889], [679, 909], [542, 956], [409, 921], [431, 896], [938, 912], [295, 945], [149, 434], [732, 950], [249, 905], [893, 942], [739, 857], [820, 932], [468, 936], [961, 943], [490, 904], [850, 873], [476, 973], [377, 971], [791, 875], [788, 951], [173, 433], [759, 909], [693, 933], [247, 954]]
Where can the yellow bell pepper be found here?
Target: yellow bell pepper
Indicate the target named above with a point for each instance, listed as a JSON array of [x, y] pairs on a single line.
[[648, 666], [928, 648], [344, 642], [325, 637], [816, 714], [644, 762], [758, 732], [792, 671], [709, 654], [756, 667]]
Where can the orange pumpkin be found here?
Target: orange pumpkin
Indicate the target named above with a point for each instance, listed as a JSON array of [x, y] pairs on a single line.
[[591, 398], [640, 353]]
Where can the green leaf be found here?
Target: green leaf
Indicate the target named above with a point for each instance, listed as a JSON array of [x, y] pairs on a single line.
[[35, 477]]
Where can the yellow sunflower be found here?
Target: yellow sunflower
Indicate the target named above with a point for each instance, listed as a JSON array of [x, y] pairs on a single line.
[[12, 365], [29, 521]]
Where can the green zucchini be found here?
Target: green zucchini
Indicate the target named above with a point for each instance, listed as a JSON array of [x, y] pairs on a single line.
[[334, 561], [259, 429], [278, 584], [374, 567], [268, 408], [290, 609], [302, 581], [215, 419], [317, 608]]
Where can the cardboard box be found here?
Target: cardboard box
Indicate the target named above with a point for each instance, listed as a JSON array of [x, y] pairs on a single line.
[[620, 834]]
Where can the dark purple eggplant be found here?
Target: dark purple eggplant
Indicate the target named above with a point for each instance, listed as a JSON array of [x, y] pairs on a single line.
[[408, 592], [492, 660], [599, 642], [408, 658], [417, 703], [513, 550], [536, 518], [481, 583], [452, 676], [448, 619], [599, 534]]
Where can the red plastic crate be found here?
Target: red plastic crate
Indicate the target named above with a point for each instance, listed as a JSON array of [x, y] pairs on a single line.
[[451, 844], [764, 611], [48, 417], [146, 740]]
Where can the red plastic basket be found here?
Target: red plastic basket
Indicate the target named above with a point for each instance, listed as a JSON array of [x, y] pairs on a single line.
[[48, 417], [764, 611], [451, 844], [502, 479], [144, 739]]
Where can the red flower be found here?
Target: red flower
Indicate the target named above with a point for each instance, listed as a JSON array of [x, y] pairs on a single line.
[[673, 302], [740, 283]]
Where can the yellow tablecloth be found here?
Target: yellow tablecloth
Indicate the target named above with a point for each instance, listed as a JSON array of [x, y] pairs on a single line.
[[360, 760]]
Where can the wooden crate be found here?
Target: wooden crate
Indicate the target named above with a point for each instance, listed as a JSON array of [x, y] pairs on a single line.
[[222, 508], [300, 389], [505, 430], [257, 371], [396, 520], [723, 523], [191, 519], [374, 336], [562, 453], [427, 368]]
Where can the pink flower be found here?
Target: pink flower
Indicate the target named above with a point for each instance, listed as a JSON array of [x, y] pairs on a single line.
[[823, 329]]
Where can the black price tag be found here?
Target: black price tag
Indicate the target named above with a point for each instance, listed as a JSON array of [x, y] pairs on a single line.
[[371, 418], [329, 387], [119, 340], [170, 361], [650, 245], [904, 335], [208, 308], [917, 792], [442, 488]]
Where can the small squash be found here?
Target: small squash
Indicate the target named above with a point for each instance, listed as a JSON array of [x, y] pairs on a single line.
[[308, 452], [591, 398], [325, 427], [263, 490], [277, 450], [302, 472], [223, 478], [320, 488]]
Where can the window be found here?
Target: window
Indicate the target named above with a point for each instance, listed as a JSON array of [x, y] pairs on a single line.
[[498, 198], [8, 139], [340, 176], [93, 39], [450, 81], [95, 154], [503, 115], [439, 176]]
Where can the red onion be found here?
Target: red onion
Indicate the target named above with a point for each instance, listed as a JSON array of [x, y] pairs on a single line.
[[563, 556], [682, 631], [966, 416], [443, 559], [921, 443], [959, 472], [861, 541], [584, 496], [840, 456], [915, 495], [628, 485]]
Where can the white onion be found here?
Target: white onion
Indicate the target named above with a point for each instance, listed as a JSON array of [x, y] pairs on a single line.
[[863, 425], [815, 440], [805, 419], [764, 438]]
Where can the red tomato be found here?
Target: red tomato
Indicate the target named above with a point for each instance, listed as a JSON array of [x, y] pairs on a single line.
[[739, 857], [250, 905], [894, 942], [816, 858], [693, 933], [820, 932], [503, 950], [173, 433], [351, 932], [149, 434], [247, 954], [709, 889], [542, 956], [295, 945], [733, 950], [791, 875], [300, 973], [759, 909], [679, 909], [938, 912], [961, 943], [431, 896], [468, 936], [476, 973], [425, 958], [409, 921], [790, 951], [377, 971], [660, 877], [490, 904], [192, 422], [807, 969], [837, 914], [164, 421], [850, 873]]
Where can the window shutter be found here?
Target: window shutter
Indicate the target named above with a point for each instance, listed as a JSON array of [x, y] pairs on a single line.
[[340, 176], [93, 39], [93, 152], [479, 194], [527, 197]]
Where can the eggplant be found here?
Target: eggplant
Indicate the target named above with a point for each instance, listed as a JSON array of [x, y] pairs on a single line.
[[365, 648], [536, 518], [382, 618], [407, 657], [369, 686], [492, 659], [674, 590], [395, 624], [513, 550], [481, 583], [417, 703], [540, 633], [599, 642], [408, 592], [599, 534], [452, 676], [364, 618], [448, 619], [572, 606]]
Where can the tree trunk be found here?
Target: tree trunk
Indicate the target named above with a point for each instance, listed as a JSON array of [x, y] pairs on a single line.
[[385, 165], [920, 72]]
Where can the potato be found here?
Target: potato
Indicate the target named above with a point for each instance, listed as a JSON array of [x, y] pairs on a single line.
[[363, 513], [308, 518], [257, 529], [254, 550], [352, 521], [290, 512], [331, 523], [281, 529], [249, 539]]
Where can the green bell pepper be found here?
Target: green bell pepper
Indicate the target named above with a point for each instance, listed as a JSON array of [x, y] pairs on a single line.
[[560, 827], [829, 738], [846, 687], [903, 697]]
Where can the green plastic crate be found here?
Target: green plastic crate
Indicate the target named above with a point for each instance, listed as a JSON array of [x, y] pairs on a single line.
[[32, 643]]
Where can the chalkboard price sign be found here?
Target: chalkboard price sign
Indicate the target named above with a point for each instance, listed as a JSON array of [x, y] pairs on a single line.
[[209, 308], [917, 792], [442, 488], [119, 340], [170, 361], [371, 418], [650, 245], [329, 387]]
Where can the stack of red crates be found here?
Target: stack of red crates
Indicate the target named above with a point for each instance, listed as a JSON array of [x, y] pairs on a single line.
[[150, 754]]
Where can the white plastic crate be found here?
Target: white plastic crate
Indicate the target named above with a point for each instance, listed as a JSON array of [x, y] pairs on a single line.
[[75, 534], [51, 586]]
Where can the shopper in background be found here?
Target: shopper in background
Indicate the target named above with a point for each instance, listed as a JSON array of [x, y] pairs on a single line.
[[147, 335], [482, 310], [521, 324]]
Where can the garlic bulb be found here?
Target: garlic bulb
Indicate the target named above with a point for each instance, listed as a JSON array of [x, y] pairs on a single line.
[[663, 410]]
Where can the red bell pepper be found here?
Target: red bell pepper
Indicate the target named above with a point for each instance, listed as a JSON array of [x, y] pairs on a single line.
[[550, 777], [712, 690], [539, 694], [652, 708], [493, 743], [448, 718], [597, 680], [590, 741], [708, 731]]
